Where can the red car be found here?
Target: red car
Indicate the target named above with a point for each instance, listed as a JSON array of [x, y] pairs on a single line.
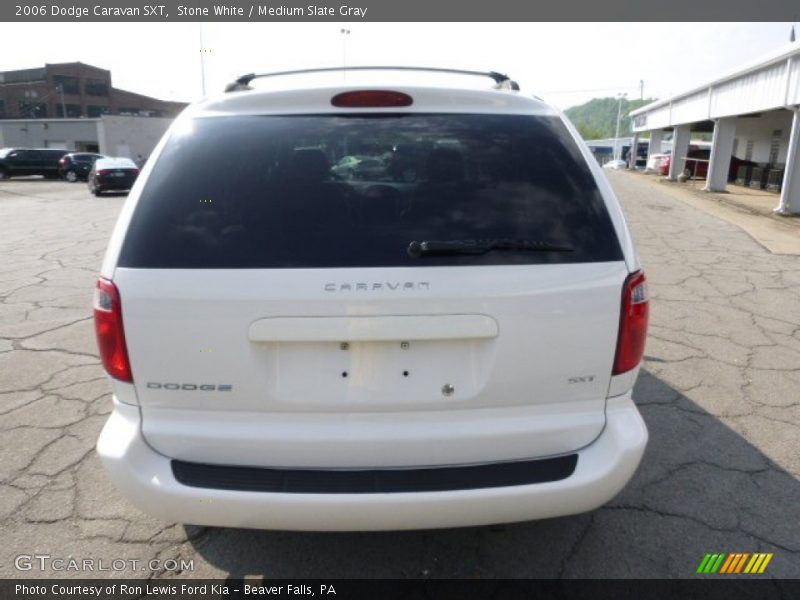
[[699, 168]]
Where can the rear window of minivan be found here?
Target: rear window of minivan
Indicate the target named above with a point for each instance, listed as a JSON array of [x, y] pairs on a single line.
[[322, 191]]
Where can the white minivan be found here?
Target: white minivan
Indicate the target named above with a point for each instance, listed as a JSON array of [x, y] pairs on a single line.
[[447, 338]]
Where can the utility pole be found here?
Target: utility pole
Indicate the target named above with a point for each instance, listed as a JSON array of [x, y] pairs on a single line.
[[616, 135], [32, 102], [63, 106]]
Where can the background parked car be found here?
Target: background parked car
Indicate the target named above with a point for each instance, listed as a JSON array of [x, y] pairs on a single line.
[[655, 161], [23, 162], [699, 167], [615, 164], [112, 174], [76, 165]]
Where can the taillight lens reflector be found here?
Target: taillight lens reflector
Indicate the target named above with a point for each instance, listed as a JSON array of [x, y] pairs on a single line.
[[371, 99], [633, 323], [110, 332]]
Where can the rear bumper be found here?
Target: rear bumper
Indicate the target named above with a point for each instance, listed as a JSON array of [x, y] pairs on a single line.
[[108, 185], [146, 478]]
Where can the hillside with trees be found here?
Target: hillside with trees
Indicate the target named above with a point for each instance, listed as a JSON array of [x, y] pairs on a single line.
[[597, 118]]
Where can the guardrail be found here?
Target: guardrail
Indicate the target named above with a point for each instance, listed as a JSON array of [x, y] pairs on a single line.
[[696, 161]]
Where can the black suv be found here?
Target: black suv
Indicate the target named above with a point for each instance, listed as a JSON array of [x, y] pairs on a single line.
[[20, 162], [76, 165]]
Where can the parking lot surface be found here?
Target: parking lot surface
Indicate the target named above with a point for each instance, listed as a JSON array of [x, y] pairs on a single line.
[[720, 392]]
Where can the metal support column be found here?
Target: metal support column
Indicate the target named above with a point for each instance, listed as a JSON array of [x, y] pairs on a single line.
[[681, 135], [655, 143], [633, 151], [790, 190], [721, 150]]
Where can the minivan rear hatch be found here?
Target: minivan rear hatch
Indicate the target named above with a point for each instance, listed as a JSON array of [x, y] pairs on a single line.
[[333, 289]]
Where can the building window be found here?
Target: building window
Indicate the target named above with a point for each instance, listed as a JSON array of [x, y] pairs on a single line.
[[69, 84], [129, 112], [735, 150], [96, 111], [73, 111], [32, 110], [95, 87], [748, 150]]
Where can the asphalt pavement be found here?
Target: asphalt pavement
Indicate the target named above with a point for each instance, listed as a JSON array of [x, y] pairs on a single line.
[[720, 392]]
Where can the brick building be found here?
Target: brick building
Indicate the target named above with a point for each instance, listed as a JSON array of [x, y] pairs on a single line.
[[83, 91]]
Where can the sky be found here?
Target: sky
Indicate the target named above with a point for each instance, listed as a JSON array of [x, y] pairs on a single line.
[[565, 63]]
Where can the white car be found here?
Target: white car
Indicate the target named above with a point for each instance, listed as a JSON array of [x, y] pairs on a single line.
[[293, 351], [654, 161], [615, 164]]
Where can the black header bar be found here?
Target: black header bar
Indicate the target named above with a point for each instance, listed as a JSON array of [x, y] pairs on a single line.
[[396, 10], [743, 588]]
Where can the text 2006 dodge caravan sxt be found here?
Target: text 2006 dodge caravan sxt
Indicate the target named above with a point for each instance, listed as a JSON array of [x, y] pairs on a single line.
[[381, 307]]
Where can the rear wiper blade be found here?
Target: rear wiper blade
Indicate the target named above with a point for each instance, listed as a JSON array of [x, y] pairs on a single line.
[[442, 247]]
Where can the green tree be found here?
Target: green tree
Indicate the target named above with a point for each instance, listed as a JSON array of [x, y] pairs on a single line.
[[588, 132], [597, 118]]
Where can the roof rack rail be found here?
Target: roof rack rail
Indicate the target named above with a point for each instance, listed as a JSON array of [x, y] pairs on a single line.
[[501, 81]]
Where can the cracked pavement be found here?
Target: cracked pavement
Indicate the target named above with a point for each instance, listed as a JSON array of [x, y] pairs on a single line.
[[720, 391]]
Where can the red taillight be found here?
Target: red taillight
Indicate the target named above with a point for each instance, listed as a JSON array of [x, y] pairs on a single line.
[[371, 99], [102, 172], [632, 323], [110, 333], [61, 161]]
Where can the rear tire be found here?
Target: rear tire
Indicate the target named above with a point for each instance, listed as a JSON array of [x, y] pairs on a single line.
[[3, 174], [71, 176]]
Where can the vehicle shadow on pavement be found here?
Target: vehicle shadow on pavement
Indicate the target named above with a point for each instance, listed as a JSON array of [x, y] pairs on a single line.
[[701, 488]]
